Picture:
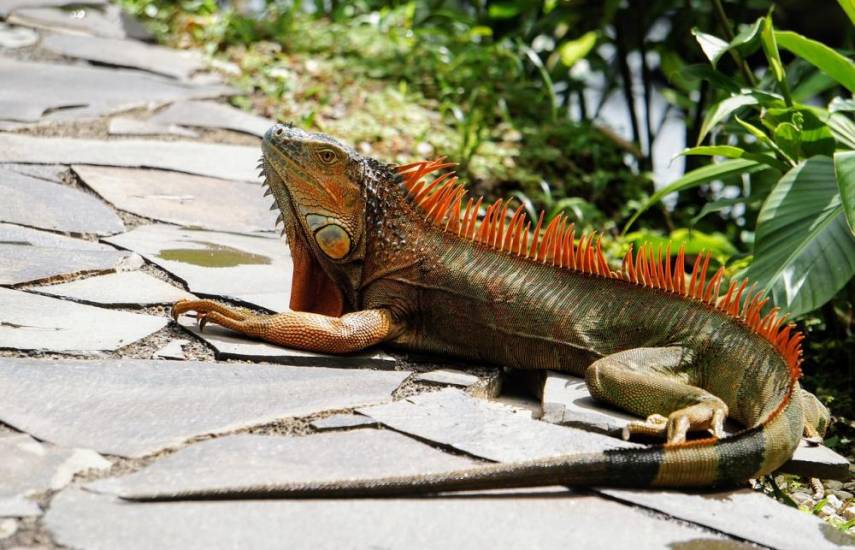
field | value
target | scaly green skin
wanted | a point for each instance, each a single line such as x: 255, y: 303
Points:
x: 402, y: 280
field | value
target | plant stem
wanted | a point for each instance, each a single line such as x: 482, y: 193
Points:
x: 728, y: 35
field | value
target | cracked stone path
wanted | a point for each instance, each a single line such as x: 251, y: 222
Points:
x: 127, y: 182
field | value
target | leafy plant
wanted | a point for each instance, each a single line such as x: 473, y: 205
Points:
x: 803, y: 247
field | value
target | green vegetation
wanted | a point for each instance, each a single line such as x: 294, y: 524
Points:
x: 514, y: 90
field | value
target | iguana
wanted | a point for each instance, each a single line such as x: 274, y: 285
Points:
x: 385, y: 254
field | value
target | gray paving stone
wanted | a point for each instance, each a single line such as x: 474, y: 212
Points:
x: 49, y: 172
x: 817, y: 461
x: 485, y: 429
x: 12, y: 37
x: 128, y: 288
x: 21, y: 264
x: 122, y: 126
x: 251, y: 269
x: 76, y: 91
x: 244, y: 461
x: 127, y: 53
x: 567, y: 401
x: 37, y: 203
x: 174, y: 349
x: 211, y: 114
x: 28, y: 467
x: 228, y: 345
x: 745, y: 514
x: 546, y: 520
x: 18, y: 235
x: 341, y: 421
x: 236, y: 162
x: 135, y: 407
x: 29, y: 255
x: 32, y: 322
x: 450, y: 377
x: 97, y: 22
x: 7, y: 6
x: 183, y: 199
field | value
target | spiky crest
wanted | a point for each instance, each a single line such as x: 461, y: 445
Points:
x: 442, y: 201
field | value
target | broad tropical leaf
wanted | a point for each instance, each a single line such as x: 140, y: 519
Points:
x: 844, y: 171
x: 699, y: 176
x: 819, y: 55
x: 803, y: 251
x: 723, y: 109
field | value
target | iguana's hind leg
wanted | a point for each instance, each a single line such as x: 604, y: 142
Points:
x: 295, y: 329
x: 654, y: 384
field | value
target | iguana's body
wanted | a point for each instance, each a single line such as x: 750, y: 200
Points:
x: 382, y: 258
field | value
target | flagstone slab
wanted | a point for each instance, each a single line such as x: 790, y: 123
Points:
x: 251, y: 269
x: 134, y: 408
x: 485, y: 429
x: 7, y: 6
x: 50, y: 172
x: 235, y: 162
x: 123, y: 126
x: 28, y: 467
x: 50, y: 91
x: 127, y: 53
x: 19, y: 235
x: 127, y: 288
x: 183, y: 199
x: 229, y: 345
x: 174, y: 349
x: 567, y: 401
x: 817, y: 461
x: 210, y: 114
x: 29, y: 255
x: 12, y: 37
x: 745, y: 514
x: 449, y: 377
x: 245, y: 461
x: 21, y: 264
x: 545, y: 520
x: 343, y: 421
x: 45, y: 205
x: 32, y: 322
x: 105, y: 22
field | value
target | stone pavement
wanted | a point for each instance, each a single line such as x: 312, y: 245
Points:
x: 127, y: 182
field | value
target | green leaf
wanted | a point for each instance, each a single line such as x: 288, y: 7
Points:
x: 721, y: 110
x: 713, y: 46
x: 844, y: 172
x: 575, y: 50
x: 695, y: 242
x: 842, y: 128
x: 748, y: 36
x: 731, y: 152
x: 821, y: 56
x: 803, y: 251
x: 770, y: 48
x: 849, y: 7
x: 815, y: 136
x: 717, y: 206
x: 716, y: 78
x: 788, y: 138
x: 697, y: 177
x: 764, y: 139
x: 840, y: 105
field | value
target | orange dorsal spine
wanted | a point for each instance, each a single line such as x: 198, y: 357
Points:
x: 442, y: 201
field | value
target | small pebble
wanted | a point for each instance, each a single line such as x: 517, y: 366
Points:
x: 833, y: 484
x: 848, y: 513
x: 833, y: 502
x: 8, y: 527
x: 843, y: 495
x: 801, y: 498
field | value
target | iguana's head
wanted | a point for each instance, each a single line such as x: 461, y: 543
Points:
x: 317, y: 183
x: 817, y: 416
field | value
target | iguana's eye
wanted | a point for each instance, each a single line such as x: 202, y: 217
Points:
x: 327, y: 155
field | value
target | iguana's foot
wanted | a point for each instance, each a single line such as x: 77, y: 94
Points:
x: 707, y: 416
x: 209, y: 310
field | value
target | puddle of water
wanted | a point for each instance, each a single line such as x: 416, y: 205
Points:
x: 213, y: 255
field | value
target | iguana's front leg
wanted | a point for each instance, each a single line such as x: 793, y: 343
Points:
x: 296, y: 329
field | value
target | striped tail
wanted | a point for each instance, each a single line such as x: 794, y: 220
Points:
x: 748, y: 454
